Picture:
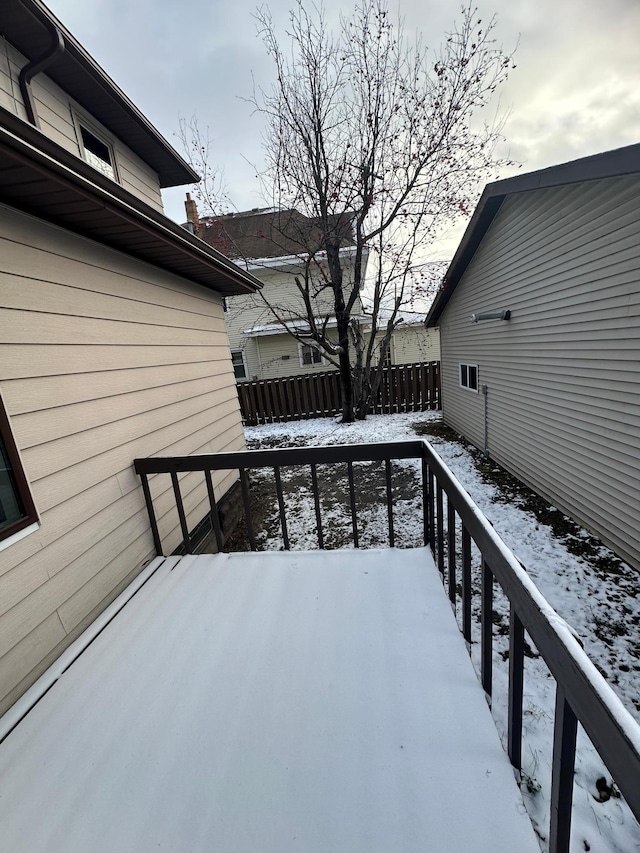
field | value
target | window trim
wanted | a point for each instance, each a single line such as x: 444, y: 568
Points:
x: 235, y: 350
x: 313, y: 364
x: 466, y: 386
x: 24, y: 491
x: 81, y: 122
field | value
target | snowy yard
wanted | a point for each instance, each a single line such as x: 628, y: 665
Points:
x: 590, y: 588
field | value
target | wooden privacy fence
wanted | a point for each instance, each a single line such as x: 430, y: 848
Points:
x: 404, y: 388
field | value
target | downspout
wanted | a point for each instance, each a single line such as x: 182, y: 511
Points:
x: 35, y: 66
x: 485, y: 394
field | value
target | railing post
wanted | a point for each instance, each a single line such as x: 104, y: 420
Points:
x: 516, y: 683
x: 157, y: 544
x: 564, y: 755
x: 486, y: 629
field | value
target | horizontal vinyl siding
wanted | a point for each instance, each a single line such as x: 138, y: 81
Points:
x: 263, y: 353
x: 102, y: 359
x: 563, y: 374
x: 55, y: 109
x: 414, y: 344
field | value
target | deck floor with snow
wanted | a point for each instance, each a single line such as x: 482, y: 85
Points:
x: 266, y: 703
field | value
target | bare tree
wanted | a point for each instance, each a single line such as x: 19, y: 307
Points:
x: 211, y: 192
x: 364, y: 125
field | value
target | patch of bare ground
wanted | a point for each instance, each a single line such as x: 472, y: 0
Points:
x: 334, y: 502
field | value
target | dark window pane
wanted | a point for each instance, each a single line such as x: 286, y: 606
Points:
x: 238, y: 365
x: 473, y: 377
x: 11, y: 508
x: 95, y: 146
x: 463, y: 375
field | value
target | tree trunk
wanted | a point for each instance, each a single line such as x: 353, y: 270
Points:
x: 346, y: 378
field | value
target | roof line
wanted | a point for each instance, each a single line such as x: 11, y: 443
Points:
x: 51, y: 160
x: 608, y: 164
x: 45, y: 17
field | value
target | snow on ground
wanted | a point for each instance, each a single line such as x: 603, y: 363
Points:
x: 603, y: 609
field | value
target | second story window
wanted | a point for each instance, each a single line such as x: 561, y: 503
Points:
x: 97, y: 152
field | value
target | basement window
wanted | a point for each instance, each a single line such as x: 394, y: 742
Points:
x: 17, y: 510
x: 97, y: 152
x: 469, y: 376
x: 239, y: 363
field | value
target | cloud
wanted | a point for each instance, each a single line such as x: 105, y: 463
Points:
x: 572, y: 94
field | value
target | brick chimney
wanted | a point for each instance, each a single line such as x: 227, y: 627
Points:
x: 192, y: 213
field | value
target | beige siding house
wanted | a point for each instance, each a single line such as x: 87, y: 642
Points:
x: 272, y: 245
x: 112, y: 343
x: 553, y: 392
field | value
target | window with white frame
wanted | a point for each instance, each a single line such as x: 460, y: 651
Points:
x: 239, y: 363
x: 309, y: 355
x: 96, y: 149
x: 469, y: 376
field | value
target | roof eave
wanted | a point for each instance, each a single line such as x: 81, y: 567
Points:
x: 96, y: 91
x: 608, y: 164
x: 68, y: 192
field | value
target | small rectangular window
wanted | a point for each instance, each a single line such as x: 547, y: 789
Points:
x: 469, y: 376
x: 96, y: 151
x: 309, y: 355
x: 239, y: 365
x: 17, y: 509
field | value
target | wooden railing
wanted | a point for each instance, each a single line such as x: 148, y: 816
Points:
x: 404, y: 388
x: 451, y: 522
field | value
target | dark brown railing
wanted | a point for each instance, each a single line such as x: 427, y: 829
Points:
x: 451, y: 522
x: 404, y: 388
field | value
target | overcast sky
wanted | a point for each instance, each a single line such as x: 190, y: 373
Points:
x: 574, y: 92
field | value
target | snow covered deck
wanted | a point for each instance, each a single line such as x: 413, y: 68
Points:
x: 287, y: 701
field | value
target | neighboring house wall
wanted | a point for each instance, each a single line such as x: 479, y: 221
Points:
x: 414, y: 344
x: 264, y: 353
x: 562, y: 374
x: 56, y: 111
x: 276, y: 354
x: 103, y: 358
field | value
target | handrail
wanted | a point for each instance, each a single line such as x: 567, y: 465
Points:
x: 582, y: 694
x: 286, y: 456
x: 612, y: 729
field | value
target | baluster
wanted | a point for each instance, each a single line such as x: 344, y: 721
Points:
x: 516, y: 683
x: 316, y: 502
x: 387, y: 467
x: 486, y: 627
x: 565, y: 733
x: 215, y: 518
x: 283, y: 520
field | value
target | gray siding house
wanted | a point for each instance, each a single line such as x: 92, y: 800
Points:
x: 112, y: 342
x: 552, y: 392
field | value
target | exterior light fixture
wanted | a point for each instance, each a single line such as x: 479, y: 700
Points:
x: 491, y: 315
